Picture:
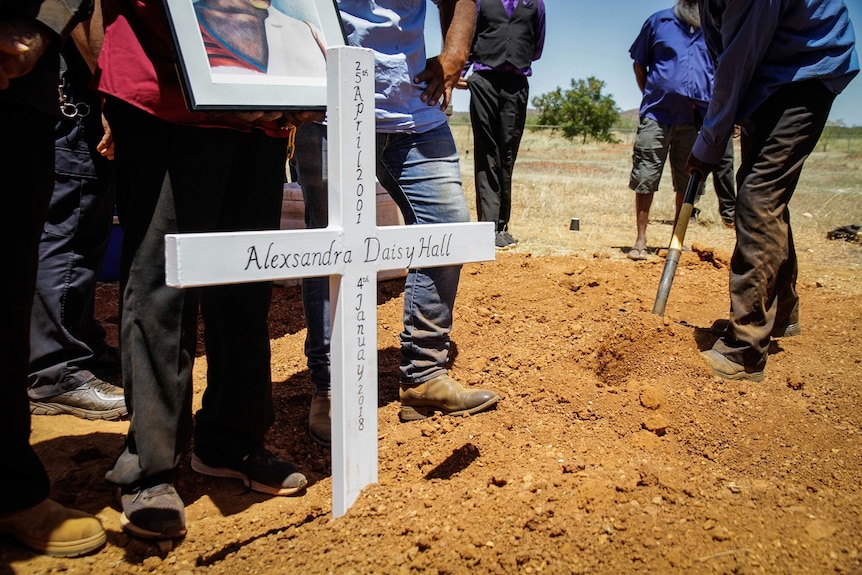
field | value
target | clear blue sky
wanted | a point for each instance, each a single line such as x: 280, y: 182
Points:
x: 592, y: 38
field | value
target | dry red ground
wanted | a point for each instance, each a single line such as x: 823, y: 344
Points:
x: 613, y: 450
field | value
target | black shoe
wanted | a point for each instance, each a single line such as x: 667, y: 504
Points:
x: 260, y: 471
x: 155, y: 512
x: 93, y: 399
x: 508, y: 237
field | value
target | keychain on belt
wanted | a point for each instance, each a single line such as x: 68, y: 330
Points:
x: 67, y: 108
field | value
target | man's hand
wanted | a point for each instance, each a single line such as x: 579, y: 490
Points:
x: 441, y: 73
x: 106, y: 144
x: 22, y: 43
x: 694, y: 163
x: 435, y: 79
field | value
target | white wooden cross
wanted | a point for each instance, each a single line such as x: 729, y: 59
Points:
x: 351, y: 250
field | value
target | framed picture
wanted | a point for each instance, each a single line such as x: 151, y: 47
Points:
x: 254, y: 54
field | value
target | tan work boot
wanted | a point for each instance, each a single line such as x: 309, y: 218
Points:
x: 445, y: 395
x: 52, y: 529
x: 320, y: 420
x: 723, y: 367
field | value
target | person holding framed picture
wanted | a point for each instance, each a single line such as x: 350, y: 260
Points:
x: 183, y: 170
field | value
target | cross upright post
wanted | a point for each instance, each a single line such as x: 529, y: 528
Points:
x: 351, y: 250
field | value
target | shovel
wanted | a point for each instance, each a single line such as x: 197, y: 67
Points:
x: 673, y: 252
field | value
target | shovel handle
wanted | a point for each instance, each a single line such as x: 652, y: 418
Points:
x: 673, y: 252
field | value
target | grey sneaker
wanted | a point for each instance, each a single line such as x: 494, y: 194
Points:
x: 503, y: 240
x: 155, y: 512
x: 260, y: 471
x: 93, y: 399
x: 500, y: 241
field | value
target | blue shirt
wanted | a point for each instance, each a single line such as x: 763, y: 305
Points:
x: 395, y: 30
x: 762, y: 45
x: 679, y: 69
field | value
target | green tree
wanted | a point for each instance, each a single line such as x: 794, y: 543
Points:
x: 581, y: 110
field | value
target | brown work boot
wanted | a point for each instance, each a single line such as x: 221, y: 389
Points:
x: 723, y: 367
x: 52, y: 529
x: 320, y: 420
x: 445, y: 395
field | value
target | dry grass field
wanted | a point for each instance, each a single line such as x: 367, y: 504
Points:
x: 613, y: 451
x: 556, y: 180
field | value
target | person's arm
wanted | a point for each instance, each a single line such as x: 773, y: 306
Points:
x: 640, y: 76
x: 89, y: 35
x: 539, y: 31
x: 458, y: 23
x: 747, y: 29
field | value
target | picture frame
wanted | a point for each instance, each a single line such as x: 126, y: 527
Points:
x: 284, y: 68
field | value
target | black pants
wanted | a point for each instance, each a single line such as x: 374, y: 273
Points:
x: 781, y: 135
x: 498, y: 110
x: 27, y: 160
x: 171, y: 178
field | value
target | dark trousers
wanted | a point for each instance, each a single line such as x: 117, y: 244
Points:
x: 498, y: 110
x: 763, y: 269
x: 27, y: 160
x: 171, y: 178
x: 64, y: 333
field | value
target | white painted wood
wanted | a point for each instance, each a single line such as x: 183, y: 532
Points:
x: 351, y: 250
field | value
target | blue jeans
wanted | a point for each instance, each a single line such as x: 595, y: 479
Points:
x: 422, y: 174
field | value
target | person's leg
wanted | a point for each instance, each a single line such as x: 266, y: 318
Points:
x: 648, y: 158
x: 422, y: 175
x: 682, y: 138
x: 784, y: 131
x: 158, y: 165
x: 310, y: 162
x: 643, y: 203
x: 30, y: 156
x: 64, y: 334
x: 237, y: 408
x: 26, y: 512
x: 723, y: 180
x: 513, y: 97
x: 487, y: 156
